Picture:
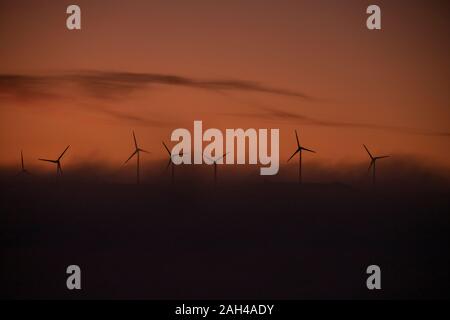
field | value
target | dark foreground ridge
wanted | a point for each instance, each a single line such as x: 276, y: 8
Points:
x: 233, y: 241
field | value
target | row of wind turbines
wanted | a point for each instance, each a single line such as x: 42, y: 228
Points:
x: 300, y: 149
x: 138, y: 150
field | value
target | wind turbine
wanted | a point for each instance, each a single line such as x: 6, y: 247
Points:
x: 299, y: 151
x: 136, y: 152
x: 23, y: 170
x: 170, y: 160
x: 373, y: 162
x: 59, y: 171
x: 215, y: 165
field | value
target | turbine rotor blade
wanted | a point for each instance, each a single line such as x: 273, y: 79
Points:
x: 63, y: 152
x: 21, y: 156
x: 181, y: 154
x: 296, y: 136
x: 144, y: 151
x: 298, y: 150
x: 135, y: 142
x: 47, y: 160
x: 371, y: 164
x: 382, y: 157
x: 168, y: 151
x: 370, y: 155
x: 220, y: 158
x: 132, y: 155
x: 308, y: 150
x: 225, y: 155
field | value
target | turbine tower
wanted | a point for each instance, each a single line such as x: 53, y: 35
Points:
x: 299, y: 151
x: 215, y: 165
x: 23, y: 170
x: 373, y: 162
x: 136, y: 152
x: 59, y: 171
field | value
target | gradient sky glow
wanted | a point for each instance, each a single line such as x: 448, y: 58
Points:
x: 388, y: 89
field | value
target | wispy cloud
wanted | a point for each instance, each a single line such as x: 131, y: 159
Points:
x: 134, y: 118
x: 27, y: 87
x: 361, y: 125
x: 109, y: 84
x: 270, y: 113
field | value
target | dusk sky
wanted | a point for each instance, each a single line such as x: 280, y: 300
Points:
x: 154, y: 66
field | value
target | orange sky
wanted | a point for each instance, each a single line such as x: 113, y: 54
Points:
x: 386, y: 89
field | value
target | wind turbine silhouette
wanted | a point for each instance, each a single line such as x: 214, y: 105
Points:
x: 215, y: 165
x: 136, y: 152
x: 59, y: 171
x: 22, y: 170
x: 171, y: 162
x: 373, y: 162
x: 299, y: 151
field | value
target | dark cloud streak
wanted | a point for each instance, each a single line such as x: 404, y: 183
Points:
x: 109, y: 85
x: 273, y: 114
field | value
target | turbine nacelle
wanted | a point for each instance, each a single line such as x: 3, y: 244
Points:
x: 299, y: 150
x: 137, y: 151
x: 373, y: 161
x: 299, y: 147
x: 171, y: 156
x: 372, y: 158
x: 57, y: 161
